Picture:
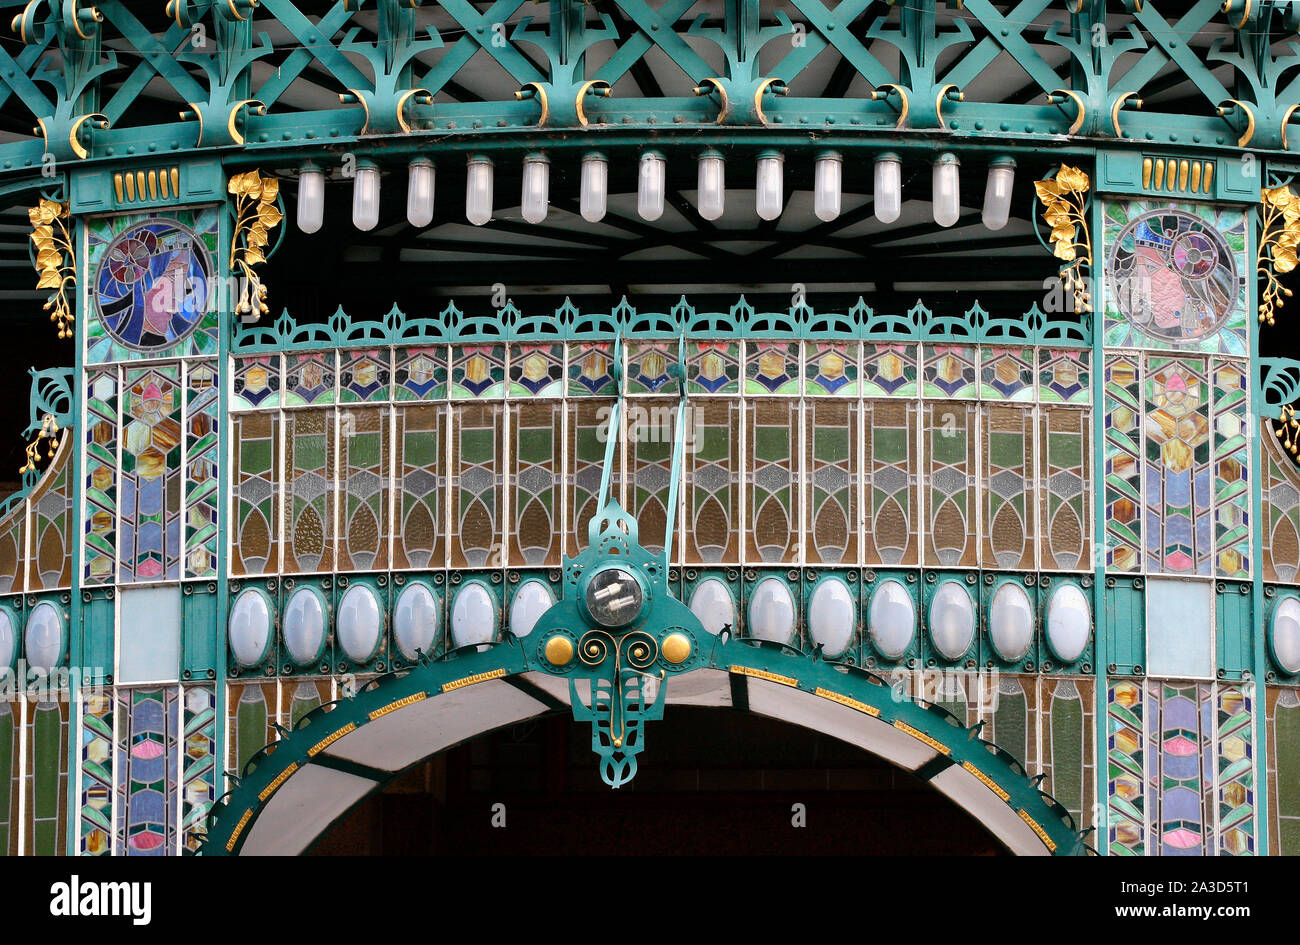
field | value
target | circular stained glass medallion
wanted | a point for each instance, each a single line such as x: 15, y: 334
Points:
x: 1173, y: 275
x: 152, y: 287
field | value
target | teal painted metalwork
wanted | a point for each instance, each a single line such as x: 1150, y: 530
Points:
x: 235, y: 813
x: 567, y: 323
x: 105, y: 56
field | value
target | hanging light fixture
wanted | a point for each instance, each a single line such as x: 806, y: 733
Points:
x: 311, y: 198
x: 769, y: 198
x: 365, y: 195
x: 711, y: 184
x: 826, y: 185
x: 888, y: 194
x: 997, y: 194
x: 478, y: 189
x: 419, y: 193
x: 946, y: 183
x: 536, y: 187
x: 594, y: 189
x: 650, y: 186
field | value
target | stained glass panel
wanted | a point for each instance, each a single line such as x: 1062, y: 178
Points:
x: 712, y: 484
x: 201, y: 470
x: 10, y: 729
x: 713, y: 367
x: 648, y: 364
x: 950, y: 465
x: 255, y: 483
x: 50, y: 522
x: 537, y: 439
x: 590, y: 370
x: 101, y: 476
x: 152, y: 284
x: 308, y: 378
x: 364, y: 375
x: 537, y: 370
x: 892, y: 506
x: 1008, y: 488
x: 650, y: 430
x: 1284, y: 771
x: 12, y: 558
x: 889, y: 370
x: 833, y: 478
x: 1281, y: 550
x: 1123, y: 468
x: 1232, y: 522
x: 478, y: 371
x: 1064, y: 376
x: 1175, y: 276
x: 422, y: 480
x: 831, y: 368
x: 950, y: 371
x: 420, y: 373
x: 257, y: 382
x: 1065, y: 526
x: 150, y: 547
x: 587, y: 433
x: 251, y: 707
x: 1007, y: 373
x: 309, y: 493
x: 364, y: 457
x: 1180, y: 759
x: 97, y: 774
x: 46, y: 817
x: 1125, y: 745
x: 771, y: 481
x: 1177, y: 469
x: 477, y: 487
x: 772, y: 367
x: 199, y: 762
x: 146, y: 771
x: 1068, y: 749
x: 1235, y: 773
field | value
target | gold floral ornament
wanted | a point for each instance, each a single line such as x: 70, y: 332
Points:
x: 49, y: 430
x: 55, y: 260
x: 1064, y: 210
x: 1277, y: 246
x: 256, y: 214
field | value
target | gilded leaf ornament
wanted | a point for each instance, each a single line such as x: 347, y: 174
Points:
x: 1064, y: 199
x: 49, y: 430
x: 257, y: 213
x: 56, y: 263
x: 1277, y: 246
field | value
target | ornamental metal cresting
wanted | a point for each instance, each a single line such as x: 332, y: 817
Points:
x: 434, y: 367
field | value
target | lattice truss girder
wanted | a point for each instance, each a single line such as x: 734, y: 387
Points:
x: 90, y: 81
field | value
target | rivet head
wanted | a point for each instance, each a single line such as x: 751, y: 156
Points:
x: 676, y: 647
x: 559, y: 650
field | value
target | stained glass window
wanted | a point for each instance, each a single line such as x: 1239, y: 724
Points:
x: 1182, y: 720
x: 537, y: 452
x: 255, y: 483
x: 1281, y: 550
x: 153, y: 283
x: 97, y: 774
x: 477, y: 487
x: 146, y: 771
x: 712, y: 484
x: 1235, y: 773
x: 1284, y: 770
x: 46, y: 776
x: 199, y: 762
x: 363, y: 375
x: 950, y: 465
x: 51, y: 524
x: 1068, y: 750
x: 150, y: 546
x: 587, y: 433
x: 364, y: 462
x: 202, y: 466
x: 309, y: 493
x: 832, y: 483
x: 536, y: 370
x: 1175, y: 276
x: 1007, y: 491
x: 892, y: 510
x: 650, y: 426
x: 1177, y: 468
x: 10, y: 730
x: 1125, y: 726
x: 772, y: 497
x: 308, y: 379
x: 101, y: 439
x: 422, y: 479
x: 1065, y: 451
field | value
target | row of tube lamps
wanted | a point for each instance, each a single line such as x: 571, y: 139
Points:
x: 594, y: 189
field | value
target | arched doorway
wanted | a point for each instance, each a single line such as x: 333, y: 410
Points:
x: 714, y: 781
